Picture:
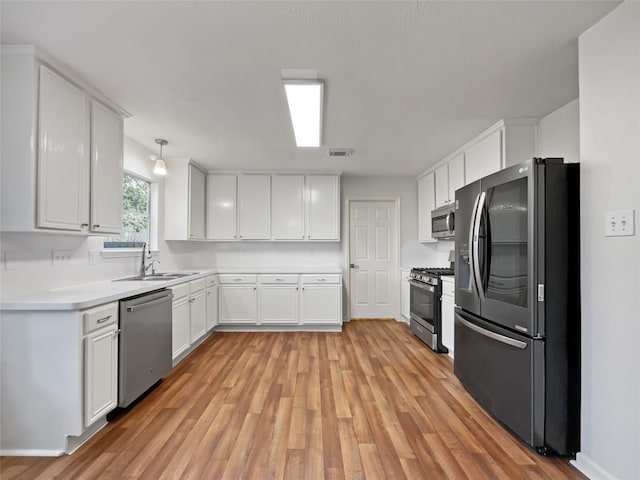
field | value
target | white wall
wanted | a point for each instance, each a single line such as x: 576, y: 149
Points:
x: 29, y: 254
x: 610, y: 180
x: 559, y: 133
x: 413, y: 253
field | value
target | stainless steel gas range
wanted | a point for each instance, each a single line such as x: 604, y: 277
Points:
x: 425, y: 312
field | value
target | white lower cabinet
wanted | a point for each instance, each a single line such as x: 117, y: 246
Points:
x: 279, y: 304
x: 189, y: 315
x: 321, y: 299
x: 447, y: 309
x: 100, y: 361
x: 197, y: 310
x: 237, y: 300
x: 212, y: 307
x: 405, y: 294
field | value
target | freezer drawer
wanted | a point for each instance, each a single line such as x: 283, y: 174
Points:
x: 503, y: 371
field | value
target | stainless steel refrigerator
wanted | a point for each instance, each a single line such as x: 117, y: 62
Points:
x: 517, y: 317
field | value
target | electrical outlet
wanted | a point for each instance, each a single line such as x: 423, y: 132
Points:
x: 93, y: 256
x: 61, y: 258
x: 619, y: 223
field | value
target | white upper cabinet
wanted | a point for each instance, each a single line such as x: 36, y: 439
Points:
x: 484, y: 157
x: 61, y: 150
x: 106, y: 169
x: 426, y: 203
x: 442, y: 185
x: 254, y: 207
x: 184, y: 206
x: 456, y: 175
x: 288, y: 207
x: 63, y: 154
x: 196, y: 203
x: 323, y: 207
x: 221, y: 207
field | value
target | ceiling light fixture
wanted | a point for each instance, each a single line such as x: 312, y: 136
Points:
x: 160, y: 167
x: 305, y: 107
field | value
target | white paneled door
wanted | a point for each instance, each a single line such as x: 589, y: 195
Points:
x: 373, y: 259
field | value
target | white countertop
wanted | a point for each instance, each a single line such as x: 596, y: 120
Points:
x: 90, y: 295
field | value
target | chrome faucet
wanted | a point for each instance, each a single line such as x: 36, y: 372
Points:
x: 143, y: 266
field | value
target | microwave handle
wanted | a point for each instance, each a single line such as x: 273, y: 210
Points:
x: 448, y: 221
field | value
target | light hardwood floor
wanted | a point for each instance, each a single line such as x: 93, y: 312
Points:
x: 370, y: 402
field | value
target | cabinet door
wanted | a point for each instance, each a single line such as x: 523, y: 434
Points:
x: 254, y: 207
x: 221, y: 207
x: 483, y: 158
x: 426, y: 203
x: 447, y: 323
x: 198, y: 315
x: 100, y: 374
x: 442, y: 186
x: 456, y: 175
x: 63, y: 154
x: 196, y: 203
x: 106, y: 169
x: 180, y: 330
x: 237, y: 304
x: 405, y: 296
x: 288, y: 207
x: 278, y: 304
x: 321, y: 304
x: 212, y: 308
x: 323, y: 212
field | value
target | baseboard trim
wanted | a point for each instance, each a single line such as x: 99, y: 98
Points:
x: 590, y: 468
x: 31, y: 453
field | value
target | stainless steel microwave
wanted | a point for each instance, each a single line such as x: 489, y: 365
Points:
x: 443, y: 222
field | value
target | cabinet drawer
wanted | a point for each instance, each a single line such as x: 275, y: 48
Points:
x: 236, y: 279
x: 197, y: 285
x: 99, y: 317
x: 212, y: 280
x: 321, y: 279
x: 180, y: 291
x: 279, y: 279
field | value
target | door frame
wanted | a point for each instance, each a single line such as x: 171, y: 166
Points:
x: 346, y: 228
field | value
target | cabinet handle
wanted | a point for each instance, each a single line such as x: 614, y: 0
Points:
x: 116, y: 332
x: 279, y: 280
x: 322, y: 279
x: 296, y: 289
x: 237, y: 279
x: 103, y: 319
x: 96, y: 226
x: 254, y: 289
x: 84, y: 225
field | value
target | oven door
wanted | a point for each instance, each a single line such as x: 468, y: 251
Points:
x: 423, y: 303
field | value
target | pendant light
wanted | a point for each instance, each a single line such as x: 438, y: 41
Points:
x: 160, y: 167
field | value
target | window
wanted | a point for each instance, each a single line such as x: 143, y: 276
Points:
x: 136, y: 194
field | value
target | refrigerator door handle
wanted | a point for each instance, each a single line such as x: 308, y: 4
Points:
x: 476, y: 242
x: 494, y: 336
x: 471, y: 229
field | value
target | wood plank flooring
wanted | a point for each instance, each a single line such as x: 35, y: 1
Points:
x: 370, y: 402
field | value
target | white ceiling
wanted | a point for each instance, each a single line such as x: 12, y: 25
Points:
x: 406, y: 82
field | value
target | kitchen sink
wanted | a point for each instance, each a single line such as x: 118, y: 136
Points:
x: 156, y: 277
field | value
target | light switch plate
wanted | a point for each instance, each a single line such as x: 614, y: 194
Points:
x: 93, y: 256
x: 619, y: 223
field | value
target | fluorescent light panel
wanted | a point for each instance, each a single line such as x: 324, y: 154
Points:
x: 305, y: 108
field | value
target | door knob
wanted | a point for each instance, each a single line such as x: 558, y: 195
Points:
x: 353, y: 265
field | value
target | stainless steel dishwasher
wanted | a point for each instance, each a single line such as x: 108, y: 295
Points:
x: 145, y: 343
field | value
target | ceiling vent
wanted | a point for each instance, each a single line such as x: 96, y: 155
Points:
x: 340, y: 152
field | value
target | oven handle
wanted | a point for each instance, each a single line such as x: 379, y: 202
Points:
x: 476, y: 248
x: 494, y: 336
x: 423, y: 286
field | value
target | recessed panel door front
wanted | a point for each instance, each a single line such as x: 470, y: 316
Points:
x: 373, y: 256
